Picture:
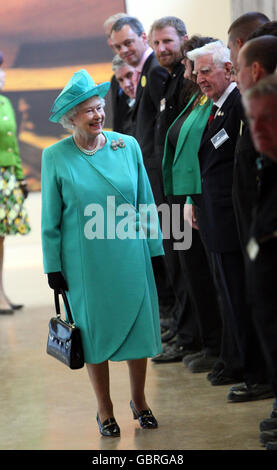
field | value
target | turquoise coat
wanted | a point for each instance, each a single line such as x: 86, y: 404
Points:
x: 112, y: 289
x: 181, y: 170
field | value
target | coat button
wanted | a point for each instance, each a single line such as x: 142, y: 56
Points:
x: 190, y: 170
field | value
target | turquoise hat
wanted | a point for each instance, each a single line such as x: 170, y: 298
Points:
x: 80, y: 88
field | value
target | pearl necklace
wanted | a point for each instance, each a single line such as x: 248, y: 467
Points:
x: 88, y: 152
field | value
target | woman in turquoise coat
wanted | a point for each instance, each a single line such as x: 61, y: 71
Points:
x: 98, y: 243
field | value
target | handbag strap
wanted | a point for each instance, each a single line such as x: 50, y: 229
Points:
x: 57, y: 304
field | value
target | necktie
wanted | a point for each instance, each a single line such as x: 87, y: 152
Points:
x: 135, y: 78
x: 212, y: 114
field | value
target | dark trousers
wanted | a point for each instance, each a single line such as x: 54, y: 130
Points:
x: 238, y: 321
x: 203, y: 294
x: 263, y: 294
x: 192, y: 280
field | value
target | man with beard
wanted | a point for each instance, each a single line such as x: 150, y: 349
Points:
x: 189, y: 268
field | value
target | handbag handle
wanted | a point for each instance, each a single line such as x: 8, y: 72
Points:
x: 57, y: 304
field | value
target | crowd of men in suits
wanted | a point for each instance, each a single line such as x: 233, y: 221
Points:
x: 218, y: 300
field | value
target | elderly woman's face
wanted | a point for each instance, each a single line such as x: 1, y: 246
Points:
x: 90, y: 117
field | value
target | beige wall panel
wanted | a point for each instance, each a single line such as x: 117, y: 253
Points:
x: 209, y: 18
x: 268, y: 7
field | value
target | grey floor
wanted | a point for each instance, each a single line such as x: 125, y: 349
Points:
x: 46, y: 406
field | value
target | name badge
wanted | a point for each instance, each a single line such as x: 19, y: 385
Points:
x: 162, y: 105
x: 220, y: 138
x: 252, y: 249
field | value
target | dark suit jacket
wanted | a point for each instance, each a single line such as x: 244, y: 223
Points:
x: 145, y: 110
x: 217, y: 219
x: 122, y: 113
x: 245, y: 187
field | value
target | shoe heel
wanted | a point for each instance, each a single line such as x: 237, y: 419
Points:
x: 135, y: 415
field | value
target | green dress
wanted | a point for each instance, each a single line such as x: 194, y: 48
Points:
x: 112, y: 289
x: 13, y: 215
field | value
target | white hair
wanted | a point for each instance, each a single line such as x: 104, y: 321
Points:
x: 112, y: 19
x: 117, y: 63
x: 220, y: 53
x: 66, y: 119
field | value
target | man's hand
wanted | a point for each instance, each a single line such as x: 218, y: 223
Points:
x: 189, y: 215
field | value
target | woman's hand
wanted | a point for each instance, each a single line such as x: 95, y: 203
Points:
x: 56, y: 281
x: 189, y: 215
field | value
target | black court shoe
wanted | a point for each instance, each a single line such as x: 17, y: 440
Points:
x: 16, y: 306
x: 109, y: 427
x: 146, y: 419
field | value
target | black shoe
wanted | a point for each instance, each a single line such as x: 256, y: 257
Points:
x: 243, y: 392
x: 217, y: 369
x: 273, y: 413
x: 222, y: 376
x: 269, y: 424
x: 171, y: 354
x: 202, y: 363
x: 190, y: 357
x: 271, y: 445
x: 16, y: 306
x: 6, y: 311
x: 168, y: 335
x: 146, y: 418
x: 222, y: 379
x: 109, y: 427
x: 268, y: 436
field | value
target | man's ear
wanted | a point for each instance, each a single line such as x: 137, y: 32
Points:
x: 257, y: 71
x: 228, y: 68
x: 144, y: 36
x: 239, y: 42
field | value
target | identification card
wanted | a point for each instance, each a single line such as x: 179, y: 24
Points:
x: 162, y: 105
x: 219, y: 138
x: 252, y: 249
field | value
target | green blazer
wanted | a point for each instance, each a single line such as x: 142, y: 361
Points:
x: 9, y: 151
x: 181, y: 170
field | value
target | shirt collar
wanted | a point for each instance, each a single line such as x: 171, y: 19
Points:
x: 219, y: 103
x: 144, y: 58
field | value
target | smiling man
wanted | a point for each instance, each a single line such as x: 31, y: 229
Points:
x: 167, y: 37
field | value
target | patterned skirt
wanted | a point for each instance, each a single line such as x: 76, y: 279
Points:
x: 13, y: 215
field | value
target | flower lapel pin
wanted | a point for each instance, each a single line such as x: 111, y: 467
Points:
x: 115, y: 144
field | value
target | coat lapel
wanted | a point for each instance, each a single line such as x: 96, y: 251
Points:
x: 218, y: 122
x: 139, y: 87
x: 101, y: 173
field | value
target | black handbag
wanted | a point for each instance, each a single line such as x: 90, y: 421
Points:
x: 64, y: 338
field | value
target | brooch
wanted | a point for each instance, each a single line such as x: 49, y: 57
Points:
x: 203, y: 100
x: 143, y: 81
x: 220, y: 113
x: 117, y: 144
